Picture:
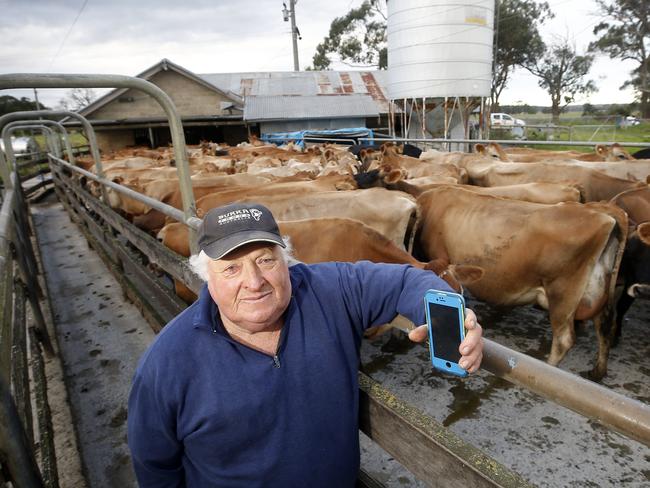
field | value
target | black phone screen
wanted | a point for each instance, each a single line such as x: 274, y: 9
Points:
x: 445, y: 330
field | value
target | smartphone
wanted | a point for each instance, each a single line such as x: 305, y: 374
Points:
x: 446, y: 320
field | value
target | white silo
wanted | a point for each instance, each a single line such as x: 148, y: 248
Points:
x: 439, y: 49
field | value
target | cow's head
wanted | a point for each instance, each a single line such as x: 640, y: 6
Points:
x: 456, y: 275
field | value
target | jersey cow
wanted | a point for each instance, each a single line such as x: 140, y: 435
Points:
x: 561, y: 257
x: 331, y: 239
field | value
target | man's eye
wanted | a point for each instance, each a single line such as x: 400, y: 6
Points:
x: 267, y: 261
x: 230, y: 270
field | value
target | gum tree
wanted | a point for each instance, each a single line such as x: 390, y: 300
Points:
x: 517, y: 39
x: 562, y: 73
x: 625, y: 35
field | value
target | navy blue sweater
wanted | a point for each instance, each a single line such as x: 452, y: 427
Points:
x: 208, y: 411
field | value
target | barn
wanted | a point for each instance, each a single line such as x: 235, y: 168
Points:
x: 228, y: 107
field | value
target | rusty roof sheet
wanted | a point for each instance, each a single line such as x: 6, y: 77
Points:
x: 304, y: 84
x: 279, y: 107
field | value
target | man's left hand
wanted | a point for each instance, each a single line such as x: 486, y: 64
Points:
x: 471, y: 349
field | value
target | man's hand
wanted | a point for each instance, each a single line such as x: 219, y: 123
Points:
x: 471, y: 349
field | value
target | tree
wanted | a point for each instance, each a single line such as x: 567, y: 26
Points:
x: 562, y: 72
x: 517, y: 40
x: 77, y: 98
x: 357, y: 39
x: 12, y: 104
x: 625, y: 35
x: 588, y: 110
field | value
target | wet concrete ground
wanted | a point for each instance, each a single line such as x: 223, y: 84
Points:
x: 547, y: 444
x: 101, y: 337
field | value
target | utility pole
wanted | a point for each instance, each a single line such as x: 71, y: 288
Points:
x: 295, y: 33
x: 38, y: 105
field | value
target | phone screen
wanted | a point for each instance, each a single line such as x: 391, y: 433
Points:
x: 445, y: 330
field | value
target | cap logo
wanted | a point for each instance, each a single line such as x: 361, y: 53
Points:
x: 238, y: 215
x: 256, y: 214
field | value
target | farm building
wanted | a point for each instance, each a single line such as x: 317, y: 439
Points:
x: 227, y: 107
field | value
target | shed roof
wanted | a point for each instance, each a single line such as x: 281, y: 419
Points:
x: 285, y: 94
x: 311, y: 106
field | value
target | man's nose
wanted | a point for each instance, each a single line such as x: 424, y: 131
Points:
x: 253, y: 277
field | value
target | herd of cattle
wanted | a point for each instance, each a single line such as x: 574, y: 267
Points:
x: 564, y: 230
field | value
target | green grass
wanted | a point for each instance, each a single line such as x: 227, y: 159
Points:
x: 76, y: 139
x: 601, y: 129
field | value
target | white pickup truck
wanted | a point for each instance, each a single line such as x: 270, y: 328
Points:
x: 505, y: 120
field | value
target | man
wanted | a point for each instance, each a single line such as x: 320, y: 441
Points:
x: 255, y: 384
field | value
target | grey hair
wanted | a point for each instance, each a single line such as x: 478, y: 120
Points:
x: 199, y: 262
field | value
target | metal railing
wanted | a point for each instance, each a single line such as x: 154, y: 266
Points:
x: 40, y: 80
x: 17, y: 438
x: 501, y: 141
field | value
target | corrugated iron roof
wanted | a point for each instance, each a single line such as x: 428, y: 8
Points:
x: 311, y: 106
x: 304, y: 84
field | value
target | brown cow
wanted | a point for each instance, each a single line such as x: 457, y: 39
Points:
x: 594, y: 185
x: 391, y: 213
x: 611, y: 153
x: 331, y: 239
x: 548, y: 193
x: 561, y: 257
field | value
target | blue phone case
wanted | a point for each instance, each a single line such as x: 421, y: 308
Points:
x: 447, y: 307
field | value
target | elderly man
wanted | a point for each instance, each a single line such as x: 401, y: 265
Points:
x: 255, y: 384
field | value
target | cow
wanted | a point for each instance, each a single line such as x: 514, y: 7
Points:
x: 602, y: 152
x: 642, y: 154
x: 391, y: 213
x: 169, y: 193
x: 594, y: 185
x: 415, y: 168
x: 562, y: 257
x: 634, y: 276
x: 548, y: 193
x: 319, y: 240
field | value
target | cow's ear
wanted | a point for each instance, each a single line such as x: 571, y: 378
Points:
x: 643, y: 230
x: 466, y: 273
x: 479, y: 148
x: 601, y: 149
x: 393, y: 176
x: 437, y: 265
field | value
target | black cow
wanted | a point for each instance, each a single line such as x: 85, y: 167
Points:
x: 642, y: 154
x: 407, y: 149
x: 634, y: 273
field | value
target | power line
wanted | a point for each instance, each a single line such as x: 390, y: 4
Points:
x: 67, y: 35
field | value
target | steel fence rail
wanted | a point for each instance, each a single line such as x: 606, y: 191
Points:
x: 88, y: 129
x: 16, y: 125
x: 41, y: 80
x: 503, y: 141
x: 52, y: 123
x: 168, y: 210
x: 618, y: 412
x: 15, y: 452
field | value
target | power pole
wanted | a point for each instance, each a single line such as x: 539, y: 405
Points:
x: 38, y: 105
x: 295, y: 33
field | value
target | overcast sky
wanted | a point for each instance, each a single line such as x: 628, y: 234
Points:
x: 211, y: 36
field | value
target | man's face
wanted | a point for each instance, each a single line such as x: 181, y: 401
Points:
x: 251, y: 286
